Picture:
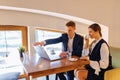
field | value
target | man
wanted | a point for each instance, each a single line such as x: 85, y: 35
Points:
x: 72, y: 42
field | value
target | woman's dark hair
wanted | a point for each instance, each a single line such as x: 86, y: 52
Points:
x: 70, y: 23
x: 96, y: 27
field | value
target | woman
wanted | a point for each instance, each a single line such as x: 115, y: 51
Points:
x: 99, y: 56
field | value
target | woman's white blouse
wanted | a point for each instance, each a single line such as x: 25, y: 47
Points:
x: 104, y: 53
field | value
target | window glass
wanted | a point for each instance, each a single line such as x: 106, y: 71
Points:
x: 43, y: 35
x: 10, y: 40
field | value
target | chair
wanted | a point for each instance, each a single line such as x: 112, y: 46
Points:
x: 113, y: 74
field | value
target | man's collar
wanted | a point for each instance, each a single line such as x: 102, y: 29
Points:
x: 72, y: 37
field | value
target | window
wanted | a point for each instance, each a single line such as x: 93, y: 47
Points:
x: 43, y: 34
x: 11, y: 37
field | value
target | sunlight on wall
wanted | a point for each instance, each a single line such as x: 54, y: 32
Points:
x: 56, y: 15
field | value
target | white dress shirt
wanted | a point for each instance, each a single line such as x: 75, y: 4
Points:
x: 104, y: 61
x: 70, y: 44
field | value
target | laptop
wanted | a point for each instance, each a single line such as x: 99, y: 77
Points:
x: 43, y: 52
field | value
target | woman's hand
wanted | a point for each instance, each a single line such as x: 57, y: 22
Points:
x: 86, y: 41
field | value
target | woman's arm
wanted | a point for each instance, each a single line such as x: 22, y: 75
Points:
x: 104, y: 53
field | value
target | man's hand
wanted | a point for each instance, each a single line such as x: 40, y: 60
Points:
x: 63, y: 54
x: 85, y: 57
x: 39, y: 43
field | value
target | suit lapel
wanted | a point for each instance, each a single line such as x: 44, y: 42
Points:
x: 74, y: 41
x: 66, y: 42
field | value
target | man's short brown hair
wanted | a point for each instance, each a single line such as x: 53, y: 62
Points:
x: 70, y: 23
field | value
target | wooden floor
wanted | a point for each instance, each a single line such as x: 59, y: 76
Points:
x: 51, y: 77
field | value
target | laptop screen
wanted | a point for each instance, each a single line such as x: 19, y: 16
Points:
x: 41, y: 52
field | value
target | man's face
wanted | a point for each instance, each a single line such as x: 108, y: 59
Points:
x: 70, y: 30
x: 92, y: 33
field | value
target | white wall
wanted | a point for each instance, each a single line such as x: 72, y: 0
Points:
x: 103, y: 11
x: 38, y: 20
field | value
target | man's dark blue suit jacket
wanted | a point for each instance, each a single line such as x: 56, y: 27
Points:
x: 77, y: 43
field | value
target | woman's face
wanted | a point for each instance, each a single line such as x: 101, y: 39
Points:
x: 92, y: 33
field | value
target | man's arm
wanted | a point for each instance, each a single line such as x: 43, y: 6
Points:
x: 53, y: 41
x: 48, y: 41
